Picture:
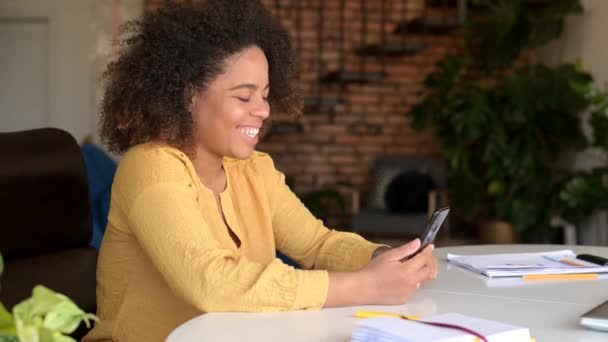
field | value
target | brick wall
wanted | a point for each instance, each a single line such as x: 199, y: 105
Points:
x: 342, y: 145
x: 339, y: 144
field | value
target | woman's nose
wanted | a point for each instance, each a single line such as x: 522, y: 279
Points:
x: 262, y: 110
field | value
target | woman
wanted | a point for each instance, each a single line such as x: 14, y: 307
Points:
x: 196, y: 213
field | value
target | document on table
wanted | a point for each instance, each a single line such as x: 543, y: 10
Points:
x: 390, y: 329
x: 521, y: 264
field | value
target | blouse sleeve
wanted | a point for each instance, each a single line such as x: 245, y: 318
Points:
x: 303, y: 237
x: 165, y: 217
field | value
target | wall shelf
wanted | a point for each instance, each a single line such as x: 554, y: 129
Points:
x: 430, y: 25
x: 392, y: 50
x: 344, y: 76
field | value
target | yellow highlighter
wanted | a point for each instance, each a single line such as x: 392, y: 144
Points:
x: 372, y: 314
x: 560, y: 276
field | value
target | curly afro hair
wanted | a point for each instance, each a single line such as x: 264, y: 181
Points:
x: 176, y: 51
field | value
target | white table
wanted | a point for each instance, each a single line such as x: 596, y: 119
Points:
x: 551, y: 309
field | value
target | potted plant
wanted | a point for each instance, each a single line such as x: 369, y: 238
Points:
x: 584, y: 192
x: 46, y: 316
x: 503, y: 128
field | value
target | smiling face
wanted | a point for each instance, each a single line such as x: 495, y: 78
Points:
x: 229, y: 113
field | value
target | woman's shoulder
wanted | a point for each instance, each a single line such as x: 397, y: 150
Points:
x: 150, y: 163
x: 150, y: 153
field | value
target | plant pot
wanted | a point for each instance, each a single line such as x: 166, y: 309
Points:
x: 498, y: 232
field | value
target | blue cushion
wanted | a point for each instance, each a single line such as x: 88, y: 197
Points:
x: 100, y: 171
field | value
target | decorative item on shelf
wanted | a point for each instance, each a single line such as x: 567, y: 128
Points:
x: 490, y: 118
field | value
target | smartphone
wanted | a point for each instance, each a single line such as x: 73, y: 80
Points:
x: 432, y: 227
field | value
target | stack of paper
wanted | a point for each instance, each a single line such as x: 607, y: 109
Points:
x: 390, y: 329
x: 519, y: 264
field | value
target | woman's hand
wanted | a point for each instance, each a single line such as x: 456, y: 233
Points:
x: 388, y: 280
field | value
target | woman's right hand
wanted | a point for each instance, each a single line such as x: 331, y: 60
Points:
x: 388, y: 280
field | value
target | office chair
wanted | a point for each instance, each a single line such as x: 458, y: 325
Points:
x: 46, y: 222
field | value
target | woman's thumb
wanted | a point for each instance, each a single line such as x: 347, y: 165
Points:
x: 403, y: 250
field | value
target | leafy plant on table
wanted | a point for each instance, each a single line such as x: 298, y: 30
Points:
x: 46, y: 316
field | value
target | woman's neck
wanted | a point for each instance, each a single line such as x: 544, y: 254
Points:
x: 210, y: 170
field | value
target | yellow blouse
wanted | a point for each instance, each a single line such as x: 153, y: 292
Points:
x: 167, y: 255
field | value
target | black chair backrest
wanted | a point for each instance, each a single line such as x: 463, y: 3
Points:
x: 44, y: 195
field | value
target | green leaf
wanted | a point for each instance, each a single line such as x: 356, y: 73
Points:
x: 44, y: 299
x: 21, y: 312
x: 7, y: 324
x: 496, y: 188
x: 28, y: 333
x: 599, y: 124
x: 64, y: 317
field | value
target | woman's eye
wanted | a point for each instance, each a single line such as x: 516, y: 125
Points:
x: 243, y: 99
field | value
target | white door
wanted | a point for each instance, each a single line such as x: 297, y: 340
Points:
x: 45, y: 67
x: 24, y: 71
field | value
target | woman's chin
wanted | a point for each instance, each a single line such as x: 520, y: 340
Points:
x: 242, y: 153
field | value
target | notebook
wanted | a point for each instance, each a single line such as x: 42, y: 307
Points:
x: 391, y: 329
x: 596, y: 318
x: 520, y: 264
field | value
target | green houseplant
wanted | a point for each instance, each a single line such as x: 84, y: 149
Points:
x: 586, y: 191
x: 46, y: 316
x: 503, y: 128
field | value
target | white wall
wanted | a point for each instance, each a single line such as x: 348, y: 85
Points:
x: 74, y: 47
x: 586, y: 38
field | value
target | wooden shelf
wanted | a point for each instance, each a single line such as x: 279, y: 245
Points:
x: 284, y: 127
x: 392, y: 50
x: 343, y: 76
x: 434, y: 25
x: 321, y: 103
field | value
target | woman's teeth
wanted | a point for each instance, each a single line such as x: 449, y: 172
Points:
x: 252, y: 132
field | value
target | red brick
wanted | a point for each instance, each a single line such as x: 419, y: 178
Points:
x: 307, y: 148
x: 365, y: 148
x: 337, y: 149
x: 319, y: 168
x: 343, y: 159
x: 333, y: 129
x: 401, y: 150
x: 347, y: 139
